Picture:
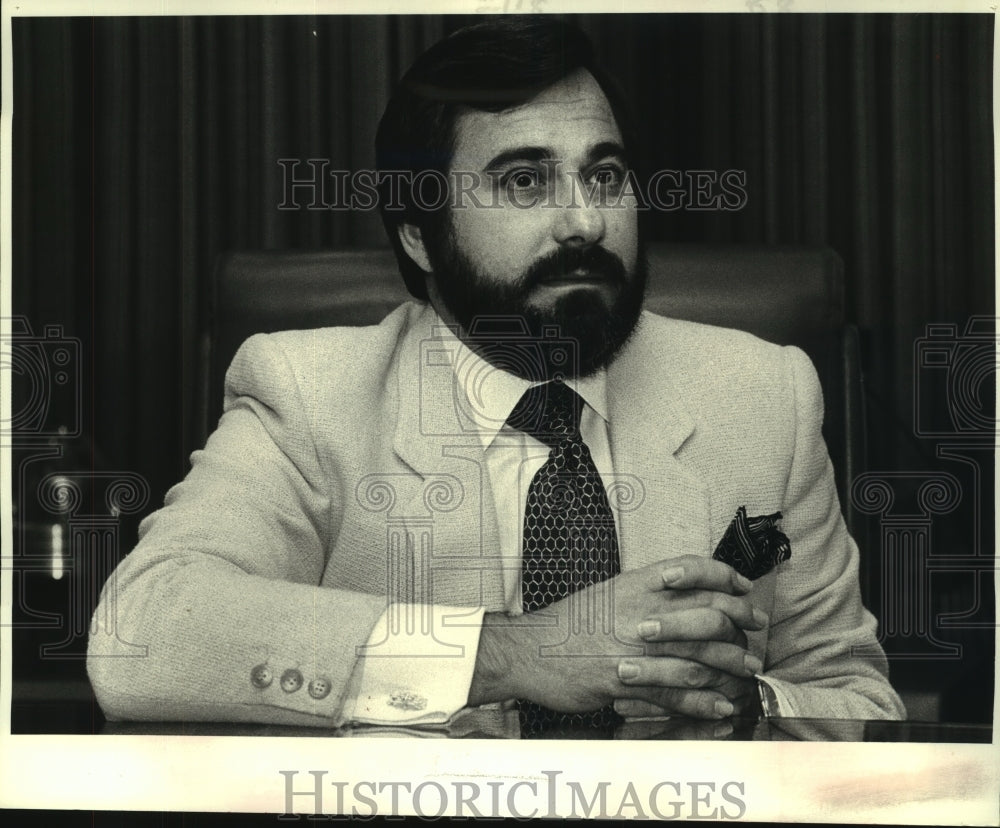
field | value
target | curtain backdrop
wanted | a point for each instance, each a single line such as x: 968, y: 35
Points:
x: 145, y: 146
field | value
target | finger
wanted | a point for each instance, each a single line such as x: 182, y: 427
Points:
x: 679, y: 672
x: 638, y: 709
x: 696, y: 572
x: 644, y: 713
x: 695, y: 624
x: 738, y: 609
x: 730, y: 658
x: 693, y: 703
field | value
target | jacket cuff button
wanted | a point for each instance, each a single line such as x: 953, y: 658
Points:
x: 319, y: 688
x: 261, y: 676
x: 291, y: 680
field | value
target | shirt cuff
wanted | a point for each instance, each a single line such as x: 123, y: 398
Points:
x: 416, y: 667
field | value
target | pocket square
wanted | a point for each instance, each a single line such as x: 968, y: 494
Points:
x: 753, y: 546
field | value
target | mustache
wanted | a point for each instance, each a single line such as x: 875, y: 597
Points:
x: 596, y: 259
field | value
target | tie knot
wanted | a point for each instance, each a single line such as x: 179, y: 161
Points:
x: 549, y: 412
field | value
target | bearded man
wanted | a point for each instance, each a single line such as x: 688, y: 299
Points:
x: 508, y: 492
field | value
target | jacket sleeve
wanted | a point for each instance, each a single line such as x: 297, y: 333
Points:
x: 218, y: 613
x: 823, y: 657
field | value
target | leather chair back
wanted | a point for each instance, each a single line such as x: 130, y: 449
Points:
x: 786, y: 294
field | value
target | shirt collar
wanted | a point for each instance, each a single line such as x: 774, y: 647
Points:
x: 488, y: 394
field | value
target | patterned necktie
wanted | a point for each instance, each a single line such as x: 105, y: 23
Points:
x: 569, y: 529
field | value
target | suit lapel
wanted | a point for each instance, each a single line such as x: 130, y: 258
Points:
x: 669, y: 514
x: 450, y: 492
x: 663, y: 505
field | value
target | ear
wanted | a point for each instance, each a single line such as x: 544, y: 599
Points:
x: 413, y: 243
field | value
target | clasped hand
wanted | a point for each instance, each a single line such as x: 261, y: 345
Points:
x: 669, y: 638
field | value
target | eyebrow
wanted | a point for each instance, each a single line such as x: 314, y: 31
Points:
x: 518, y: 154
x: 529, y: 153
x: 605, y: 149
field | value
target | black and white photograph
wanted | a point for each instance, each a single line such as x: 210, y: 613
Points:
x: 510, y: 409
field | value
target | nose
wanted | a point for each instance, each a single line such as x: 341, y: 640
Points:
x: 580, y: 220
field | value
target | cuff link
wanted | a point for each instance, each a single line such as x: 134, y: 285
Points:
x: 403, y: 699
x: 261, y: 676
x: 291, y: 680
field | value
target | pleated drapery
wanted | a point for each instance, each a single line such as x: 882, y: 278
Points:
x: 145, y: 146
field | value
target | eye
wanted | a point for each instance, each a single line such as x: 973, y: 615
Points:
x: 608, y: 175
x: 521, y: 178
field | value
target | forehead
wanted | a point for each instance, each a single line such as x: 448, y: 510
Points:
x: 568, y: 117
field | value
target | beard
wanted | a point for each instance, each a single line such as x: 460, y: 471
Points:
x: 573, y: 335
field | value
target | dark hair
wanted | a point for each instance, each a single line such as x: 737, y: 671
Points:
x: 489, y: 66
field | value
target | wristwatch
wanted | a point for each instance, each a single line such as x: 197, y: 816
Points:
x: 768, y: 700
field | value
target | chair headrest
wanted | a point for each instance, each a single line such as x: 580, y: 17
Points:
x: 787, y: 294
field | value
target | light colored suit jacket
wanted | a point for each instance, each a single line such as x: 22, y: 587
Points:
x: 342, y: 476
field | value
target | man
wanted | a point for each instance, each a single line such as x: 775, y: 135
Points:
x: 508, y: 492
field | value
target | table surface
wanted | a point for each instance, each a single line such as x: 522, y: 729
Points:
x: 79, y: 717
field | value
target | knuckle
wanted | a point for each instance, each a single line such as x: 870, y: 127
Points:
x: 697, y: 703
x: 693, y: 565
x: 720, y: 624
x: 706, y: 705
x: 687, y: 649
x: 724, y: 656
x: 707, y: 598
x: 725, y: 602
x: 668, y: 698
x: 735, y: 604
x: 696, y: 676
x: 717, y: 679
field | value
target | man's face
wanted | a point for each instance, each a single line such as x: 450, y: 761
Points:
x: 542, y: 229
